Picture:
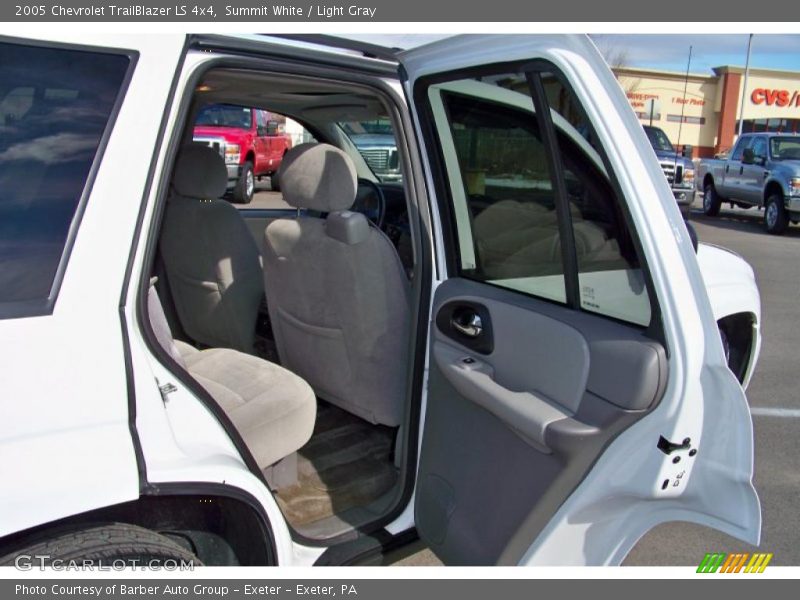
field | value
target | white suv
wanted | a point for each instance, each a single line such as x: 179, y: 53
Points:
x: 510, y: 352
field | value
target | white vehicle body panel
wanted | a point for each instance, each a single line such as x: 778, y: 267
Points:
x: 621, y: 499
x: 732, y: 289
x: 64, y: 383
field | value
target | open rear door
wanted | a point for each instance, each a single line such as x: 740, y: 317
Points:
x: 578, y: 393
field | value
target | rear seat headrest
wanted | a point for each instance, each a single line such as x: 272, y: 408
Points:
x: 199, y: 173
x: 319, y: 177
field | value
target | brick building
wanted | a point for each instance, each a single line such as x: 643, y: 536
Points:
x: 707, y: 117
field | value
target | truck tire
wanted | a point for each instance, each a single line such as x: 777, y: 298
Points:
x: 775, y: 218
x: 106, y: 544
x: 274, y: 182
x: 245, y: 185
x: 711, y: 200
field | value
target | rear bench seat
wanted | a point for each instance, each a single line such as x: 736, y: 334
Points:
x: 273, y: 409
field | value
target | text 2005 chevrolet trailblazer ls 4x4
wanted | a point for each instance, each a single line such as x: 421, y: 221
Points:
x: 539, y: 377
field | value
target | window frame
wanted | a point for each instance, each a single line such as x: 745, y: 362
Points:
x: 39, y: 307
x: 444, y: 200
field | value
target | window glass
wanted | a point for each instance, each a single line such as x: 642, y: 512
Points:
x: 760, y: 147
x: 375, y: 141
x: 225, y: 115
x: 610, y: 278
x: 219, y: 127
x: 658, y: 139
x: 55, y: 106
x: 785, y: 148
x: 505, y: 196
x: 740, y: 146
x: 501, y: 184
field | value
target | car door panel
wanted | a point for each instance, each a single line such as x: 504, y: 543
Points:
x: 567, y: 433
x: 537, y: 404
x: 752, y: 179
x: 734, y: 169
x: 68, y: 401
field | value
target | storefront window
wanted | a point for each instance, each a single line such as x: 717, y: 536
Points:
x: 775, y: 125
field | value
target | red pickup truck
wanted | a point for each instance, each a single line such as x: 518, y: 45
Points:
x: 250, y: 139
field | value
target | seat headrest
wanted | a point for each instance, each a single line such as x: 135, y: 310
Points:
x: 199, y: 173
x: 318, y: 176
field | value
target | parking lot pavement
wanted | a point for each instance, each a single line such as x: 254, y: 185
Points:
x: 265, y: 199
x: 776, y: 261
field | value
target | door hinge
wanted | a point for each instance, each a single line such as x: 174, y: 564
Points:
x: 166, y: 390
x: 674, y: 473
x: 668, y: 447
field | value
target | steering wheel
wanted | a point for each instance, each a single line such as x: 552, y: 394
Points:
x: 370, y: 202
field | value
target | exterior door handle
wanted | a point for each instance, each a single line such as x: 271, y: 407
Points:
x: 467, y: 323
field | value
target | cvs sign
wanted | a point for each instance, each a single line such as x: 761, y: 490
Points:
x: 780, y: 98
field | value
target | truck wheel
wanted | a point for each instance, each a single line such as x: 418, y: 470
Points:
x: 775, y: 218
x: 245, y: 186
x: 274, y: 182
x: 109, y: 544
x: 711, y: 200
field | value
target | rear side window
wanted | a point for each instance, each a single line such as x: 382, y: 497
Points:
x: 532, y: 202
x: 55, y: 108
x: 508, y: 191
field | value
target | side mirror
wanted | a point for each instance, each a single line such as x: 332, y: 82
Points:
x: 273, y: 128
x: 262, y: 131
x: 748, y: 157
x: 687, y: 151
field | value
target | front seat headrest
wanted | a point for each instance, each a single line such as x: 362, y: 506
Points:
x: 199, y: 173
x: 319, y: 177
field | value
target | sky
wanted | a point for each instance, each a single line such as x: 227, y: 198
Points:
x: 669, y: 52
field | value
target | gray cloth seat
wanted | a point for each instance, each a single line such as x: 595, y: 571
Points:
x: 272, y: 409
x: 211, y: 260
x: 338, y: 296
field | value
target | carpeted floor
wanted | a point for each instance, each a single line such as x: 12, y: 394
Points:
x: 348, y: 462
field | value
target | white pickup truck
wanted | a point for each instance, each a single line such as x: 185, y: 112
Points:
x: 514, y: 353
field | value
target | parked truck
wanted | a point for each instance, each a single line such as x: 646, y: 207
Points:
x: 251, y: 141
x: 677, y: 166
x: 763, y: 171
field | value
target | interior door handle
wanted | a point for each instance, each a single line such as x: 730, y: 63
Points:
x: 525, y: 412
x: 467, y: 323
